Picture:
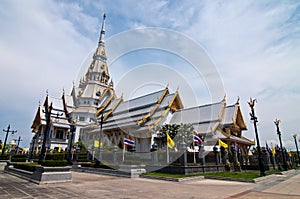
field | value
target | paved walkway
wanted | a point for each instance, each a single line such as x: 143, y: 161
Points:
x: 85, y: 185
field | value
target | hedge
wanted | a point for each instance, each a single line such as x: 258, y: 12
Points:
x: 55, y: 156
x: 87, y: 164
x: 18, y: 158
x: 4, y: 157
x: 27, y: 167
x: 54, y: 163
x: 13, y: 159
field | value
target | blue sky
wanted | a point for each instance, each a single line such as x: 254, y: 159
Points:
x: 254, y: 45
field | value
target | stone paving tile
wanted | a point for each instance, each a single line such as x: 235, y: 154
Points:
x: 97, y: 186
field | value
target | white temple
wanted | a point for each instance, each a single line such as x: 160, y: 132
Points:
x: 94, y: 101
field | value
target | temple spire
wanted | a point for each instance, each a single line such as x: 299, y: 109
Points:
x: 102, y: 32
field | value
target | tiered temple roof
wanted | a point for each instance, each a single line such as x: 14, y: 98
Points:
x: 95, y: 99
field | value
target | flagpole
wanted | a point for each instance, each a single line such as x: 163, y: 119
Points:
x: 124, y: 152
x: 194, y: 151
x: 168, y: 154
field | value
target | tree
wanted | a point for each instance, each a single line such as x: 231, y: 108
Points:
x: 179, y: 133
x: 185, y: 133
x: 171, y: 129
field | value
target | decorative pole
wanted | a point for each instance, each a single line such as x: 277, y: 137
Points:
x: 18, y: 140
x: 295, y: 138
x: 100, y: 139
x: 276, y: 122
x: 254, y: 118
x: 71, y: 137
x: 47, y: 112
x: 7, y: 131
x: 32, y: 146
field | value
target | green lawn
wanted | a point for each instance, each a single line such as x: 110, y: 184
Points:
x: 244, y: 174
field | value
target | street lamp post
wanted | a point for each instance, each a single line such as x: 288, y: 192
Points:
x: 276, y: 122
x: 295, y: 138
x: 71, y: 137
x: 100, y: 139
x: 18, y: 140
x: 254, y: 118
x: 32, y: 146
x: 47, y: 112
x: 7, y: 131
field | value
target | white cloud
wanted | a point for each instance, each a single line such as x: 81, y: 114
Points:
x: 254, y: 44
x: 39, y: 50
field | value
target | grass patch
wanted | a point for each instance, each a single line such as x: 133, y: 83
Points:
x: 169, y: 175
x: 239, y: 175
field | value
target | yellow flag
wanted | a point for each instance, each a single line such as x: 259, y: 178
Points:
x: 223, y: 144
x: 170, y: 142
x: 273, y: 150
x: 96, y: 143
x: 290, y: 153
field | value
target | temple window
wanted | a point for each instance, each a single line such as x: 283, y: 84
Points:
x: 59, y: 134
x: 81, y: 119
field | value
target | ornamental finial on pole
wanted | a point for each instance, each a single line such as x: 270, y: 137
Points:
x: 252, y: 102
x: 276, y: 122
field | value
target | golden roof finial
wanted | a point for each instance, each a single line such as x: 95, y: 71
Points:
x: 102, y: 32
x: 238, y: 100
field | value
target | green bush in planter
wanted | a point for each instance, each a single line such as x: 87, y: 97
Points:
x: 4, y: 157
x: 18, y: 158
x: 27, y: 166
x: 88, y: 164
x: 54, y: 163
x: 55, y: 156
x: 13, y: 159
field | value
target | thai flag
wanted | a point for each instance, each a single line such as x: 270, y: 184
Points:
x: 128, y: 141
x: 197, y: 139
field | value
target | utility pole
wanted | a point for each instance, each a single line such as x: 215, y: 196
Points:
x: 7, y: 131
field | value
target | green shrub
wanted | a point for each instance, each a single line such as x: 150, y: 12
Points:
x: 55, y: 156
x: 27, y: 167
x: 13, y: 159
x: 4, y: 157
x: 82, y: 157
x: 19, y: 156
x: 54, y: 163
x: 88, y: 164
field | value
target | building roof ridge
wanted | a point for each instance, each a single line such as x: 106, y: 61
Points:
x: 201, y: 106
